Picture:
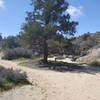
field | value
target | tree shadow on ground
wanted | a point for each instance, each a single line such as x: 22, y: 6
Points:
x: 60, y: 66
x: 69, y: 67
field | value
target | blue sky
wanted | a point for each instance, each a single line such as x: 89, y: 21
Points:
x: 13, y: 12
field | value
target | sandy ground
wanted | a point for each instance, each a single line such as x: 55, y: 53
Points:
x: 51, y: 85
x: 64, y: 60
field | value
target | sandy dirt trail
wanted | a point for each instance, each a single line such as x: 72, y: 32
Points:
x: 51, y: 85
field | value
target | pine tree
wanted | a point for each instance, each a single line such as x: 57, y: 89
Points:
x: 48, y: 18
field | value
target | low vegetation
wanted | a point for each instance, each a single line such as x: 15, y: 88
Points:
x: 10, y: 78
x: 96, y: 63
x: 17, y: 53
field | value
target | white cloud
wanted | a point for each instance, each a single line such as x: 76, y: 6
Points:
x: 2, y: 4
x: 75, y: 11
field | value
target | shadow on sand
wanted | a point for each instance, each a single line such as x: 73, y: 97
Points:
x: 71, y: 67
x: 62, y: 66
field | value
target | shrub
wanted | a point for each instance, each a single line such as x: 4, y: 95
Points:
x: 11, y: 42
x: 95, y: 63
x: 10, y: 78
x: 17, y: 53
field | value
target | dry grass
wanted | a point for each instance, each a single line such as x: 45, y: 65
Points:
x: 10, y: 78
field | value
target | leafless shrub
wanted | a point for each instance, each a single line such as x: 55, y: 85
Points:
x: 17, y: 53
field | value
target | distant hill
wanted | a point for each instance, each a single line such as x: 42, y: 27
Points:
x: 88, y: 47
x: 86, y: 42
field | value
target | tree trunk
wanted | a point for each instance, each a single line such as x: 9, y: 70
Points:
x: 45, y: 60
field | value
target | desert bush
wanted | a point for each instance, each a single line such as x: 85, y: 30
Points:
x: 10, y: 78
x: 11, y: 42
x: 17, y: 53
x: 95, y: 63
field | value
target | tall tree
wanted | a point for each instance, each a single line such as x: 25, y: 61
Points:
x: 48, y: 18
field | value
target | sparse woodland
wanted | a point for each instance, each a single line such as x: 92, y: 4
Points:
x: 48, y: 32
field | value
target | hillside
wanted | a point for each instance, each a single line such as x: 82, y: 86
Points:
x: 85, y: 42
x: 88, y: 48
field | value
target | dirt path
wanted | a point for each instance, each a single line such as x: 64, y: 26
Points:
x: 50, y: 85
